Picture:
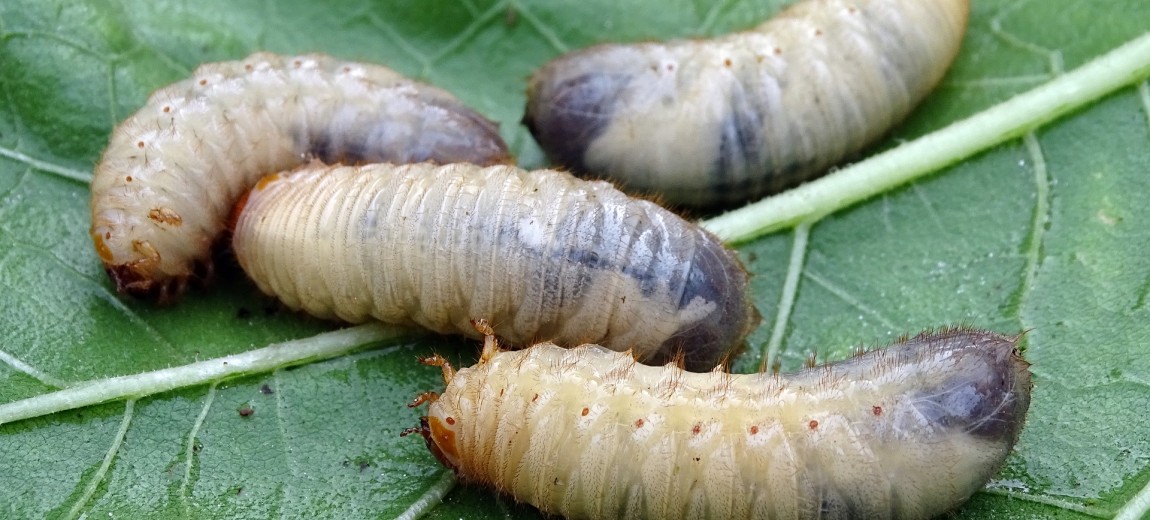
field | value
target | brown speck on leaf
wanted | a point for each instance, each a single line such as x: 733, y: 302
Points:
x: 246, y: 411
x: 360, y: 462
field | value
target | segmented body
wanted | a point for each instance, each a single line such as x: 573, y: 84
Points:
x: 710, y: 122
x: 172, y: 171
x: 908, y: 432
x: 542, y: 255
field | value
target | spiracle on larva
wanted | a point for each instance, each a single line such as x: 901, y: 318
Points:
x: 910, y: 431
x: 721, y: 121
x: 172, y: 171
x: 543, y: 255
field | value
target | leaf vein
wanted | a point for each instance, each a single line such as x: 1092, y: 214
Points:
x: 281, y: 414
x: 45, y: 166
x: 1049, y: 501
x: 1033, y: 247
x: 113, y: 450
x: 1144, y: 96
x: 34, y: 34
x: 101, y: 291
x: 468, y: 32
x: 847, y: 297
x: 556, y: 42
x: 929, y: 205
x: 1053, y: 56
x: 190, y: 448
x: 712, y: 16
x: 795, y: 267
x: 19, y: 365
x: 430, y: 498
x: 399, y: 40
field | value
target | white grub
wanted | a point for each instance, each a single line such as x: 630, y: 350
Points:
x: 910, y: 431
x: 542, y: 255
x: 162, y: 191
x: 726, y: 120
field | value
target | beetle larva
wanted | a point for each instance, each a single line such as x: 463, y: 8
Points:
x: 907, y: 432
x: 172, y: 171
x: 542, y: 255
x: 721, y: 121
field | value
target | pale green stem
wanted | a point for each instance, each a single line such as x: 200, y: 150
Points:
x: 882, y: 172
x: 322, y: 346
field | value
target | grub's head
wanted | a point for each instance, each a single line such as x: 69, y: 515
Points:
x: 440, y: 435
x: 439, y: 428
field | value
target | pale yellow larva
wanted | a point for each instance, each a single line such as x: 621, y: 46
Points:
x: 907, y: 432
x: 543, y: 255
x: 172, y: 171
x: 721, y: 121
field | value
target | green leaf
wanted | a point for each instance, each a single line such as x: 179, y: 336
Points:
x: 1046, y: 234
